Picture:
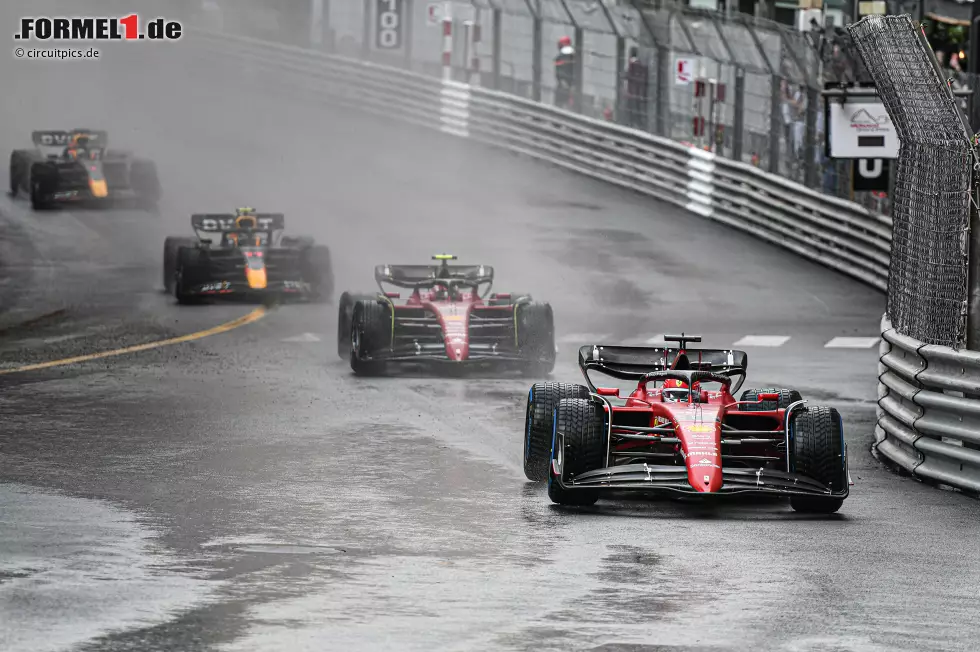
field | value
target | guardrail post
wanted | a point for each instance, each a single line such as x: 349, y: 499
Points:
x: 775, y: 123
x: 739, y: 117
x: 664, y: 69
x: 578, y: 68
x: 495, y: 56
x: 620, y: 78
x: 536, y: 61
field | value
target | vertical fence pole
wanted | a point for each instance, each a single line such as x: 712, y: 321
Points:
x: 447, y: 43
x: 775, y: 123
x: 810, y: 138
x: 366, y: 30
x: 738, y: 118
x: 316, y: 24
x: 497, y: 27
x: 620, y: 80
x: 536, y: 62
x: 578, y: 69
x: 665, y: 69
x: 408, y: 11
x: 973, y: 273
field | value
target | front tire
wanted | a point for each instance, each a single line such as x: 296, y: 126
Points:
x: 170, y: 248
x: 819, y: 452
x: 582, y: 421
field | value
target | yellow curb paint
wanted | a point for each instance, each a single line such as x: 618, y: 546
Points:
x: 253, y: 316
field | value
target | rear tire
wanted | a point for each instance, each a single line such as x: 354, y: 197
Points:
x: 370, y: 334
x: 542, y: 401
x: 582, y: 421
x: 40, y: 180
x: 536, y: 337
x: 818, y: 452
x: 17, y: 160
x: 318, y: 272
x: 786, y: 398
x: 170, y: 247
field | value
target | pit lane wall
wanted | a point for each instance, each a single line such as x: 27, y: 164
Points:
x: 921, y: 426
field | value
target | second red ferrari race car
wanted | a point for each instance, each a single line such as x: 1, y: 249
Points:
x: 447, y: 320
x: 671, y: 434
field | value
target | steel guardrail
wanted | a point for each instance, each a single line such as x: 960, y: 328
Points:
x: 928, y: 410
x: 920, y: 425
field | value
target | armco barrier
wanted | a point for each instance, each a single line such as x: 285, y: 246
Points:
x: 830, y: 231
x: 928, y: 412
x: 920, y: 426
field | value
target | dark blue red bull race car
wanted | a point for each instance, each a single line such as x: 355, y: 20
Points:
x: 681, y: 432
x: 449, y: 319
x: 250, y: 259
x: 75, y: 166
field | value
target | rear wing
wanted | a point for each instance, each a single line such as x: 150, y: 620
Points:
x: 635, y: 362
x: 224, y: 222
x: 53, y: 138
x: 411, y: 276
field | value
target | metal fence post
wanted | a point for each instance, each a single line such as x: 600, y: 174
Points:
x: 620, y: 80
x: 739, y: 118
x: 973, y: 273
x: 409, y: 14
x: 810, y: 137
x: 495, y: 56
x: 578, y: 68
x: 664, y: 68
x: 536, y: 63
x: 366, y: 31
x: 775, y: 123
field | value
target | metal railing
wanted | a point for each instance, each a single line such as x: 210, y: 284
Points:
x: 928, y: 412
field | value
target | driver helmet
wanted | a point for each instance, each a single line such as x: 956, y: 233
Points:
x: 676, y: 391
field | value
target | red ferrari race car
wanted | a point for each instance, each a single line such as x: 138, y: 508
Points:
x: 448, y: 319
x: 673, y: 434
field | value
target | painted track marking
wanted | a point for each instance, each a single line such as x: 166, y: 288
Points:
x: 253, y: 316
x: 852, y: 343
x: 762, y: 340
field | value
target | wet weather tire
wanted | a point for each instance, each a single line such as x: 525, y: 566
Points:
x: 189, y: 264
x: 370, y: 334
x: 538, y: 424
x: 786, y: 398
x: 582, y: 421
x: 818, y: 452
x: 536, y: 337
x: 345, y: 316
x: 170, y: 248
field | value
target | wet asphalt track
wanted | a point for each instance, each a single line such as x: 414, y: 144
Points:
x: 245, y: 492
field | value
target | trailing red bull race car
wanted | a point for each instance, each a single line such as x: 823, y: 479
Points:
x: 73, y: 166
x: 681, y: 431
x: 448, y: 319
x: 252, y: 259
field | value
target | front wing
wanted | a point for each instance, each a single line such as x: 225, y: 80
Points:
x: 229, y: 288
x: 673, y: 479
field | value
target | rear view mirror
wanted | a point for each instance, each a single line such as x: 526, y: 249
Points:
x: 500, y: 295
x: 769, y: 396
x: 393, y: 295
x: 607, y: 391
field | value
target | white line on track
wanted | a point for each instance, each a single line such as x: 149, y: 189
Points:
x: 852, y: 343
x: 762, y: 340
x: 305, y: 337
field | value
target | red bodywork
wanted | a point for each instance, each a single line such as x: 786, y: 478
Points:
x: 453, y: 314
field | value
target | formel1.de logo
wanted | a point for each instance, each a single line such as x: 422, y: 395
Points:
x: 125, y: 28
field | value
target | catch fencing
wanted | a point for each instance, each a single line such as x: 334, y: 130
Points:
x: 758, y: 101
x: 929, y: 389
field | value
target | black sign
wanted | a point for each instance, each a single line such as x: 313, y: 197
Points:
x: 389, y: 21
x: 870, y: 174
